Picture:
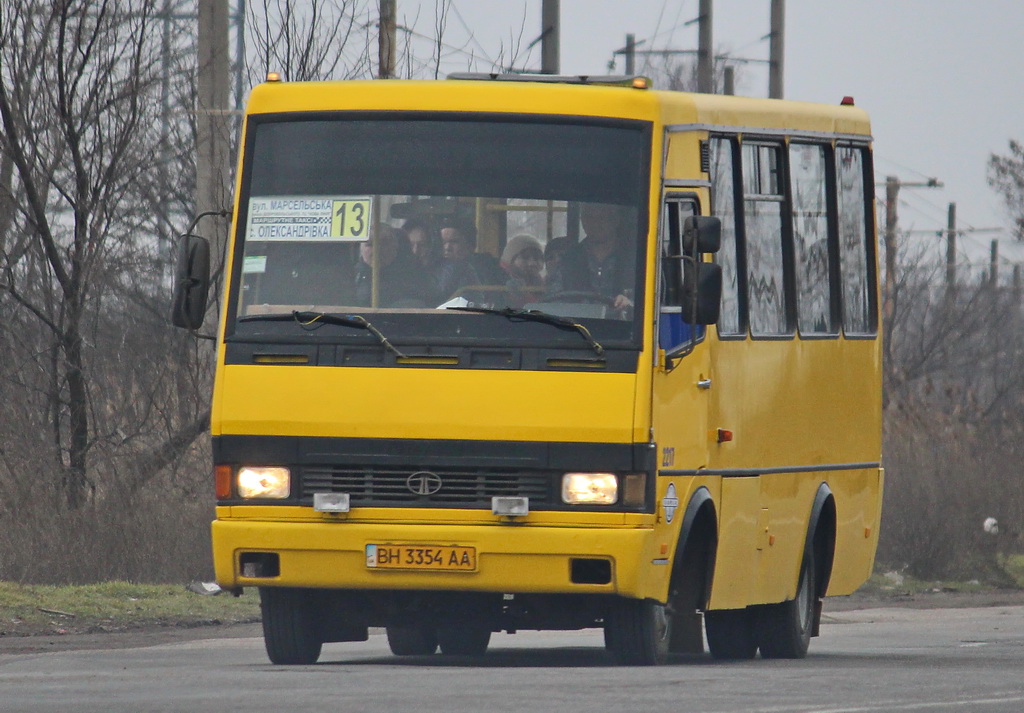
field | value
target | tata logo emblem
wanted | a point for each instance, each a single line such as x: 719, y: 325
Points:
x: 423, y: 483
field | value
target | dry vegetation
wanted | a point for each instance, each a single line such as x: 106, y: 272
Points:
x: 104, y: 470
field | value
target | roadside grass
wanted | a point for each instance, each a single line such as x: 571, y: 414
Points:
x: 27, y: 610
x: 1014, y: 566
x: 888, y: 581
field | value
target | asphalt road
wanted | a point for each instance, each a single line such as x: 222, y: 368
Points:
x: 866, y: 661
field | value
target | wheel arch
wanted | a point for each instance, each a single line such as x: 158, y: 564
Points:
x: 698, y: 537
x: 821, y: 536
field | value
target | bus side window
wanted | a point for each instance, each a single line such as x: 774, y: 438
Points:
x: 854, y: 228
x: 815, y: 311
x: 724, y: 153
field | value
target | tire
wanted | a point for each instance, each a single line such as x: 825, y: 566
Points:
x: 463, y: 640
x: 637, y: 632
x: 784, y: 630
x: 289, y: 626
x: 731, y: 634
x: 412, y: 640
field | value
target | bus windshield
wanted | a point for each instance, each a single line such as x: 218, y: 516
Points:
x: 404, y: 220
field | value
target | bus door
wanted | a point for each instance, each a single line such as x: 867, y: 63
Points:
x: 680, y: 394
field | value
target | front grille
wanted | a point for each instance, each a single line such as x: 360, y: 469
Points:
x: 470, y: 488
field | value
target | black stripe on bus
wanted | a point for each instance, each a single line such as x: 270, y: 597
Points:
x: 751, y: 472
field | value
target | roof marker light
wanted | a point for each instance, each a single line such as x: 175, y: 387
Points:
x: 273, y: 76
x: 847, y: 101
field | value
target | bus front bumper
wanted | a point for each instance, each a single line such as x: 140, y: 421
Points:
x: 506, y: 558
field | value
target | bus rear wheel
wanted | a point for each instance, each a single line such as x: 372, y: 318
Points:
x: 637, y: 632
x: 784, y: 629
x: 289, y: 626
x: 412, y: 640
x: 731, y: 633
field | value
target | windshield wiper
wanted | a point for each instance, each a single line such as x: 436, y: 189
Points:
x: 311, y: 321
x: 532, y: 315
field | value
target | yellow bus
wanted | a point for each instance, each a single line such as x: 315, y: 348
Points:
x: 511, y: 353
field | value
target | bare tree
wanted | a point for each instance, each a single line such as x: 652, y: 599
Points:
x: 73, y: 95
x: 314, y: 40
x: 954, y: 385
x: 1006, y: 176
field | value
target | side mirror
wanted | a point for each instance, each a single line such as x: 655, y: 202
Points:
x: 191, y: 282
x: 702, y: 293
x: 701, y: 234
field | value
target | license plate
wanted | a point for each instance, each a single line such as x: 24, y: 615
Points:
x: 444, y: 558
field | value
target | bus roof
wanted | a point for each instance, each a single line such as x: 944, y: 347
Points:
x: 608, y: 97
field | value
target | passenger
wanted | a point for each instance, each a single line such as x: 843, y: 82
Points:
x: 523, y: 260
x: 461, y: 266
x: 426, y: 253
x: 400, y: 283
x: 553, y: 253
x: 603, y: 263
x: 422, y: 243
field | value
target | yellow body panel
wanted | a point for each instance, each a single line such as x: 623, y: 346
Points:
x: 426, y: 403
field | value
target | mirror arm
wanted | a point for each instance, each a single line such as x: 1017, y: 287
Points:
x: 222, y: 213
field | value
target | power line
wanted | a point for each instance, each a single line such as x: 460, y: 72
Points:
x: 472, y: 37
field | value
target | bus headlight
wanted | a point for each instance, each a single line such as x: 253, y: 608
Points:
x: 264, y: 482
x: 590, y: 489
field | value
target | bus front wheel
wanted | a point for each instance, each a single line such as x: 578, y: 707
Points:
x: 289, y: 626
x: 637, y: 632
x: 412, y: 640
x: 463, y: 640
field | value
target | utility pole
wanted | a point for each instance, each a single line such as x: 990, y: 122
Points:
x: 239, y: 59
x: 993, y: 265
x: 213, y: 121
x: 892, y: 191
x: 163, y: 166
x: 386, y: 40
x: 549, y: 34
x: 729, y: 81
x: 630, y: 53
x: 705, y: 56
x: 951, y: 250
x: 776, y: 49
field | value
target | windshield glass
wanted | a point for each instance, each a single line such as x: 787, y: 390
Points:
x: 401, y: 220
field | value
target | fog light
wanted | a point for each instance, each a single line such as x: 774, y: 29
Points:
x: 508, y: 505
x: 590, y: 489
x: 331, y: 502
x: 264, y: 482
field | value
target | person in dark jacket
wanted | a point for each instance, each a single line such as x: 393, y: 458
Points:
x: 400, y: 282
x: 461, y: 266
x: 603, y: 263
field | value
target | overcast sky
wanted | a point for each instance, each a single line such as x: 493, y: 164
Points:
x: 941, y: 79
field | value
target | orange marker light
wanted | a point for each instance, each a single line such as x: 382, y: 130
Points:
x: 222, y: 481
x: 724, y: 435
x: 273, y: 76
